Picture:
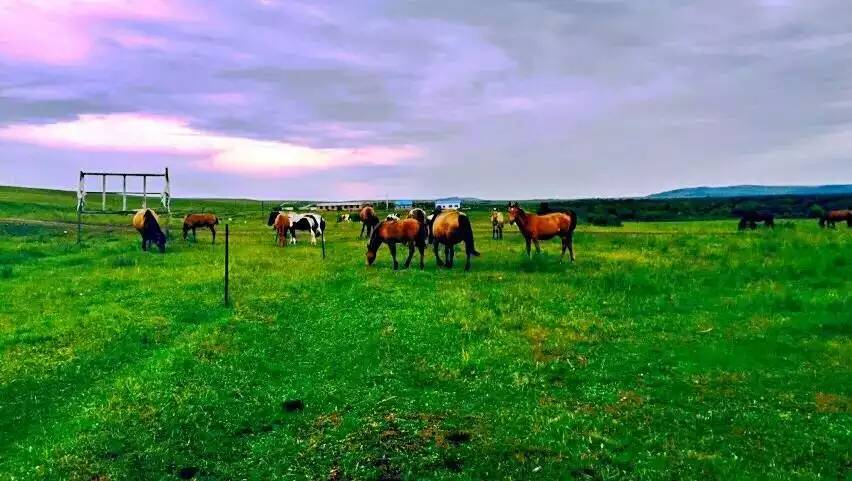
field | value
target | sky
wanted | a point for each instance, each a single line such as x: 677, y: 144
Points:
x: 367, y: 99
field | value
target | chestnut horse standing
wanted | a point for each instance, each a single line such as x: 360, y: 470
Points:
x: 146, y: 222
x: 281, y: 224
x: 194, y: 221
x: 536, y: 228
x: 829, y: 218
x: 408, y: 231
x: 496, y: 224
x: 369, y: 220
x: 450, y: 228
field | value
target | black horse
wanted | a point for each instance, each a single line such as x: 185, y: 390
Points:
x: 750, y: 218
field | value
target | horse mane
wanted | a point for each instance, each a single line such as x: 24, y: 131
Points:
x: 375, y: 241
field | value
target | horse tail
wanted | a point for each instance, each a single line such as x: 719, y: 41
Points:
x: 467, y: 235
x: 573, y: 218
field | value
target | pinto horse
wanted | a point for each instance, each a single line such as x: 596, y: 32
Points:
x: 369, y: 220
x: 408, y: 231
x: 496, y: 224
x: 313, y: 223
x: 450, y: 228
x: 146, y: 222
x: 536, y: 228
x: 750, y: 218
x: 281, y: 224
x: 194, y: 221
x: 830, y: 218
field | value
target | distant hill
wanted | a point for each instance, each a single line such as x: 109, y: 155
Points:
x: 753, y: 191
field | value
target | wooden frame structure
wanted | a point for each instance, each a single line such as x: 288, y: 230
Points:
x: 164, y: 194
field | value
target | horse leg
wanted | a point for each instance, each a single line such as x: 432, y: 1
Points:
x: 467, y: 260
x: 144, y: 245
x: 451, y: 255
x: 410, y: 255
x: 194, y: 235
x: 537, y: 246
x: 392, y: 248
x: 421, y: 246
x: 438, y: 260
x: 213, y: 231
x: 529, y: 241
x: 313, y: 238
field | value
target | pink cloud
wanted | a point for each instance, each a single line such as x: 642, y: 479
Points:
x: 63, y: 32
x: 210, y: 151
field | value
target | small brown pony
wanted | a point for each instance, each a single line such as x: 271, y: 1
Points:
x: 369, y: 220
x: 536, y: 228
x: 496, y: 224
x: 408, y: 231
x: 830, y: 218
x: 194, y: 221
x: 282, y: 225
x: 450, y: 228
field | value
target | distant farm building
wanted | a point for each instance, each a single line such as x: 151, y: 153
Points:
x: 403, y: 204
x: 349, y: 205
x: 449, y: 203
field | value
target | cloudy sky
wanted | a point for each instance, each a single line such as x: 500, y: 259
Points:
x: 401, y: 98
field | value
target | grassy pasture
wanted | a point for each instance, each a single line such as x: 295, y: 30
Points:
x: 668, y: 351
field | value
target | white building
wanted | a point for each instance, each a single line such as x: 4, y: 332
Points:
x: 448, y: 203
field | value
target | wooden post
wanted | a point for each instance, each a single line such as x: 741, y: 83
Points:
x: 144, y: 191
x: 168, y: 193
x: 103, y: 192
x: 227, y: 237
x: 81, y: 199
x: 79, y: 226
x: 124, y: 192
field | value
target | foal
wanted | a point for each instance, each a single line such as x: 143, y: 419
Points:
x: 536, y: 228
x: 146, y: 222
x: 369, y: 220
x: 194, y: 221
x: 281, y: 224
x: 408, y: 231
x: 450, y: 228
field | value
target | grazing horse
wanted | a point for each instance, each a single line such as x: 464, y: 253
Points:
x: 282, y: 225
x: 750, y: 218
x: 828, y: 219
x: 536, y: 228
x: 496, y: 224
x: 313, y: 223
x: 148, y: 224
x: 194, y: 221
x: 369, y: 220
x: 409, y: 231
x: 344, y: 217
x: 450, y: 228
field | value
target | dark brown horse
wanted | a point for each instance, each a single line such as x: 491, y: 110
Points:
x: 407, y: 231
x: 536, y: 228
x: 750, y: 218
x: 194, y: 221
x: 450, y: 228
x: 369, y: 220
x: 281, y: 224
x: 830, y: 218
x: 146, y: 222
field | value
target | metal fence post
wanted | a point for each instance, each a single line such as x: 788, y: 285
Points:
x: 227, y: 240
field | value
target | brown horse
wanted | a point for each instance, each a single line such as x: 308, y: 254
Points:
x: 830, y: 218
x: 194, y: 221
x: 369, y: 220
x: 281, y: 224
x: 408, y: 231
x: 450, y: 228
x: 536, y: 228
x: 146, y: 222
x: 496, y: 224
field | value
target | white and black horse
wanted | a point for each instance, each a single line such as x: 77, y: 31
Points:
x: 312, y: 223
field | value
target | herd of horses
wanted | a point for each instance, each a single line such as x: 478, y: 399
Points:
x: 750, y: 218
x: 441, y: 228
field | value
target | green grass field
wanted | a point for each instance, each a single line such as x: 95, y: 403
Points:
x: 668, y: 351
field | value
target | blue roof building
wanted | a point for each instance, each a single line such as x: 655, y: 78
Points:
x: 403, y: 204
